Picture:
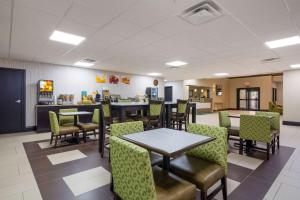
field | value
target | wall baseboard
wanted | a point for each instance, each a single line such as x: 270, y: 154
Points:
x: 30, y: 128
x: 291, y: 123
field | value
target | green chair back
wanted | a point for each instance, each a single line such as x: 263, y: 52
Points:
x: 224, y: 120
x: 214, y: 151
x: 131, y: 171
x: 182, y: 106
x: 54, y: 126
x: 106, y: 108
x: 257, y: 128
x: 275, y: 120
x: 155, y: 108
x: 95, y: 118
x: 125, y: 128
x: 67, y: 120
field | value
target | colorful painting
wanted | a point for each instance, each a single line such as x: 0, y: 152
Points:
x: 102, y: 78
x: 125, y: 80
x: 114, y: 79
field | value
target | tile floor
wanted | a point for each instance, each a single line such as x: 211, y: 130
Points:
x: 17, y: 180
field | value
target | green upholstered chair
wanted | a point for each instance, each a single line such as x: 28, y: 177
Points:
x: 275, y: 108
x: 154, y: 117
x: 67, y: 120
x: 275, y: 124
x: 207, y: 164
x: 90, y: 127
x: 134, y: 178
x: 125, y: 128
x: 107, y: 112
x: 224, y: 121
x: 181, y: 116
x: 257, y: 128
x: 57, y: 130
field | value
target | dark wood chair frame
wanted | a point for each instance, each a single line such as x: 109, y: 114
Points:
x: 160, y: 117
x: 178, y: 122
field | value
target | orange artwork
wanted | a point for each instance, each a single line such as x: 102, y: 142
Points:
x: 114, y: 79
x: 101, y: 78
x: 125, y: 80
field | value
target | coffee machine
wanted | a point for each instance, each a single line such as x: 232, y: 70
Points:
x: 45, y: 92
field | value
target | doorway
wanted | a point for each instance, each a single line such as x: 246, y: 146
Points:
x: 12, y: 101
x: 169, y: 93
x: 248, y: 98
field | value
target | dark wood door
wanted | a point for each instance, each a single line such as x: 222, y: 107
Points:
x: 168, y: 93
x: 12, y: 100
x: 248, y: 98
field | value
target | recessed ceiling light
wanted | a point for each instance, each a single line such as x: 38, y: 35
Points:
x: 295, y: 66
x: 165, y: 80
x: 221, y: 74
x: 155, y: 74
x: 83, y: 63
x: 283, y: 42
x: 66, y: 38
x: 176, y: 63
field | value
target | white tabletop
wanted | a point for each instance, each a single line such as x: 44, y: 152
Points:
x: 167, y: 141
x: 75, y: 113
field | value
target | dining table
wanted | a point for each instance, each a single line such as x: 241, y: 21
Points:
x: 167, y: 142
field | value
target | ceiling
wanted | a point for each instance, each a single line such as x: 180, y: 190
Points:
x: 140, y: 36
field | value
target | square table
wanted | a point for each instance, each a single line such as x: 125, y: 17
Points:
x: 168, y: 142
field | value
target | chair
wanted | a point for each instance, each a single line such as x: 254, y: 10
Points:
x: 107, y: 112
x: 134, y: 178
x: 57, y: 130
x: 181, y: 116
x: 224, y: 121
x: 67, y: 120
x: 275, y: 108
x: 275, y: 124
x: 125, y: 128
x: 154, y: 118
x: 207, y: 164
x: 88, y: 127
x: 256, y: 128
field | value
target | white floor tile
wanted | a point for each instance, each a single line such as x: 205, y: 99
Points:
x: 244, y: 161
x: 88, y: 180
x: 67, y: 156
x: 288, y: 192
x: 33, y: 194
x: 45, y: 145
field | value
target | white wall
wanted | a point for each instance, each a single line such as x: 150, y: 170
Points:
x: 73, y: 80
x: 179, y: 90
x: 291, y: 96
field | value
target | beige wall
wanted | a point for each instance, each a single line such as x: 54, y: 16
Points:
x: 279, y: 93
x: 263, y: 82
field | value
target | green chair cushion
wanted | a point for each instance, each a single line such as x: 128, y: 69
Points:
x: 125, y: 128
x: 67, y: 120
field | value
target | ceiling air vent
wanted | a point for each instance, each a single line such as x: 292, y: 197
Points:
x: 270, y: 60
x: 87, y: 60
x: 203, y: 12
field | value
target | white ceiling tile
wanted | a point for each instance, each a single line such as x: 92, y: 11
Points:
x: 31, y: 30
x: 122, y: 28
x: 76, y: 28
x: 53, y: 7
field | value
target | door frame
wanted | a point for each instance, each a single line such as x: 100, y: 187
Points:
x: 23, y: 96
x: 247, y: 99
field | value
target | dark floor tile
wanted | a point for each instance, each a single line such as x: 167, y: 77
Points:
x: 55, y: 190
x: 102, y: 193
x: 238, y: 173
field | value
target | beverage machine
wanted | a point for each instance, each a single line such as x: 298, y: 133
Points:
x: 152, y: 93
x: 45, y: 92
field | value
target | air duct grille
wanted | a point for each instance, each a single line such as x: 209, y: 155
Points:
x: 202, y: 12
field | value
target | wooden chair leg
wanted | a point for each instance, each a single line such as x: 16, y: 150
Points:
x: 278, y: 143
x: 241, y: 147
x: 273, y: 145
x: 55, y: 143
x: 203, y: 195
x: 84, y: 136
x: 268, y: 150
x: 224, y: 188
x: 51, y: 139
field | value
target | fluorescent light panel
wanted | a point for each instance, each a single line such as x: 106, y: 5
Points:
x: 295, y: 66
x: 67, y: 38
x: 221, y: 74
x: 83, y: 64
x: 176, y: 63
x: 155, y: 74
x: 283, y: 42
